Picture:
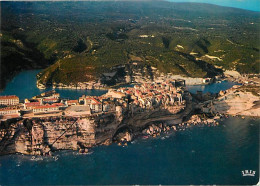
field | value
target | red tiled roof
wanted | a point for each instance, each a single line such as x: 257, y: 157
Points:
x: 45, y: 106
x: 50, y: 99
x: 8, y: 108
x: 32, y: 104
x: 9, y: 97
x: 58, y: 104
x: 11, y: 115
x: 72, y: 101
x: 95, y: 100
x: 128, y: 92
x: 136, y: 101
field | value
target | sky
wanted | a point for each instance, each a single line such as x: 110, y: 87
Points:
x: 253, y: 5
x: 244, y: 4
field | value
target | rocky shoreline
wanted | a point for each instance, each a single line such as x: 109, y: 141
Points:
x: 42, y: 136
x: 155, y: 130
x: 241, y: 100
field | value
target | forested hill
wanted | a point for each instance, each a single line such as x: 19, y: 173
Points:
x: 84, y: 39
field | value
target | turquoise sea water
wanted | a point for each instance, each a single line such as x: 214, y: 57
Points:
x: 199, y: 155
x: 212, y: 88
x: 243, y: 4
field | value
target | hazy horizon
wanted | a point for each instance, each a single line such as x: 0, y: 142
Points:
x: 253, y: 5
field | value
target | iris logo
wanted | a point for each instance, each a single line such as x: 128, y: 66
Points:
x: 248, y: 173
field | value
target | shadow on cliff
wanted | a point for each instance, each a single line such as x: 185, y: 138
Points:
x: 135, y: 123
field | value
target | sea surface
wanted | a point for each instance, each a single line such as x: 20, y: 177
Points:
x: 212, y: 88
x: 253, y: 5
x: 24, y: 86
x: 198, y: 155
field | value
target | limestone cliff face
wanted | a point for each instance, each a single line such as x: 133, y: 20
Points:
x: 14, y: 137
x: 41, y: 136
x: 46, y: 135
x: 240, y: 103
x: 234, y: 102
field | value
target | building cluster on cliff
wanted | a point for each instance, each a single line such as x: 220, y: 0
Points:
x: 140, y: 97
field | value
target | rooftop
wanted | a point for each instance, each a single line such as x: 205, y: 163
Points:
x: 45, y: 106
x: 9, y: 97
x: 9, y: 108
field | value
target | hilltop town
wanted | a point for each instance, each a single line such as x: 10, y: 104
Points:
x: 47, y: 122
x: 134, y: 99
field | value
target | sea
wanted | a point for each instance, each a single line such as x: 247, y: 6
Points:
x: 200, y: 155
x: 24, y: 86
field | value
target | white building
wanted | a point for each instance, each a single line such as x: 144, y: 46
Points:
x: 9, y: 100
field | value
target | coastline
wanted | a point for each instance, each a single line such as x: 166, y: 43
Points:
x: 136, y: 78
x: 121, y: 128
x: 81, y: 133
x: 171, y: 150
x: 103, y: 118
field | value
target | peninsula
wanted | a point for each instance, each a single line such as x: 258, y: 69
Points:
x: 46, y: 122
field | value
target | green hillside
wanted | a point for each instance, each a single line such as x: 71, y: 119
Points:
x: 83, y: 39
